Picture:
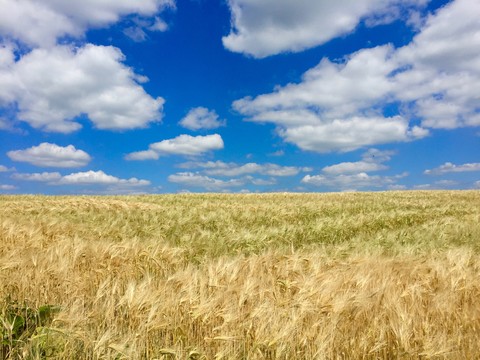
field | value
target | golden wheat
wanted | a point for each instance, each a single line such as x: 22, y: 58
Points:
x: 270, y: 276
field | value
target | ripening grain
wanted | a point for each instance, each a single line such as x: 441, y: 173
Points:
x: 271, y: 276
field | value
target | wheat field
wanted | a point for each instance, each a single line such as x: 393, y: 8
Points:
x: 387, y: 275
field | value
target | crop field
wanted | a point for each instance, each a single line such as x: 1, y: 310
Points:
x: 388, y: 275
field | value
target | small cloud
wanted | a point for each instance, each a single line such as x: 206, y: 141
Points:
x: 437, y: 185
x: 355, y: 181
x: 201, y: 181
x: 51, y: 155
x: 5, y: 169
x: 7, y: 187
x: 98, y: 178
x: 372, y: 161
x: 448, y: 167
x: 220, y: 168
x: 185, y: 145
x: 201, y: 118
x: 261, y: 182
x: 158, y: 25
x: 278, y: 153
x: 87, y: 178
x: 396, y: 187
x: 135, y: 33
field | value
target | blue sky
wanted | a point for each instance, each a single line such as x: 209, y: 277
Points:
x: 166, y: 96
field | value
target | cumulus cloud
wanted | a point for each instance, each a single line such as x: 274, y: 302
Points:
x: 98, y: 178
x: 195, y: 180
x: 341, y: 106
x: 330, y: 110
x: 52, y: 87
x: 266, y: 27
x: 372, y: 161
x: 221, y: 168
x: 185, y: 145
x: 443, y: 80
x: 351, y: 134
x: 201, y: 118
x: 354, y: 181
x: 51, y: 155
x: 43, y: 22
x: 448, y: 167
x: 353, y: 175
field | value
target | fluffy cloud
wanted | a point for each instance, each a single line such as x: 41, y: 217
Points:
x: 266, y: 27
x: 99, y: 178
x: 43, y: 22
x: 181, y: 145
x: 200, y: 181
x: 107, y: 184
x: 52, y: 87
x: 448, y: 167
x: 330, y: 110
x: 353, y: 175
x: 350, y: 182
x: 340, y: 106
x: 201, y: 118
x: 372, y: 161
x: 443, y: 80
x: 51, y: 155
x: 351, y: 134
x: 221, y: 168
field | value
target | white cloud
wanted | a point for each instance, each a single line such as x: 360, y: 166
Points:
x: 349, y: 182
x: 7, y: 187
x: 99, y: 178
x: 4, y: 123
x: 444, y: 79
x: 3, y: 168
x: 448, y: 167
x: 51, y: 155
x: 266, y: 27
x: 372, y: 161
x: 277, y: 153
x: 201, y: 118
x: 396, y: 187
x: 353, y: 168
x: 347, y: 176
x: 221, y: 168
x: 330, y: 110
x: 261, y: 182
x: 181, y: 145
x: 107, y: 184
x: 437, y: 185
x: 340, y: 106
x: 200, y: 181
x: 41, y: 177
x: 477, y: 184
x: 52, y: 87
x: 43, y: 22
x: 351, y: 134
